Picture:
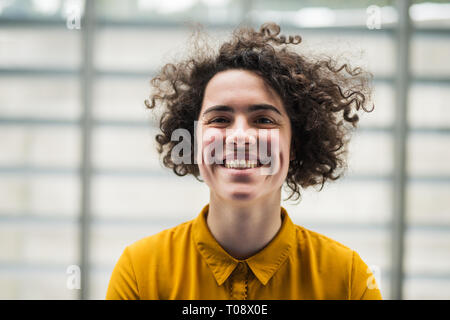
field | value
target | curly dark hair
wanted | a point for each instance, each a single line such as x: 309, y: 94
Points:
x: 321, y: 101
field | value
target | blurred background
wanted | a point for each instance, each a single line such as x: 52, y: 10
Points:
x: 80, y: 177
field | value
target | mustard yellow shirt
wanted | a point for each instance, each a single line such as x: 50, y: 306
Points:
x: 186, y: 262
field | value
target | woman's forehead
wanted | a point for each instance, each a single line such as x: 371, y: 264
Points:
x: 238, y: 88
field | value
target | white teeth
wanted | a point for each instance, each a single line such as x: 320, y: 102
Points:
x: 241, y: 164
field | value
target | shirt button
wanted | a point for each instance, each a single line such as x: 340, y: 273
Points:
x: 240, y: 267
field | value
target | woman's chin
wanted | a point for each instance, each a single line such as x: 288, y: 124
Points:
x: 241, y: 197
x: 243, y: 194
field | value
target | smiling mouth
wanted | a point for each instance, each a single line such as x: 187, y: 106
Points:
x: 242, y: 165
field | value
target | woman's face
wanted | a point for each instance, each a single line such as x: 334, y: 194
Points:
x: 242, y: 114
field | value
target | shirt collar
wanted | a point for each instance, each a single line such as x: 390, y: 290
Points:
x: 263, y: 264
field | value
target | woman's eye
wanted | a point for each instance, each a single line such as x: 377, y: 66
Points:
x: 215, y: 120
x: 270, y: 121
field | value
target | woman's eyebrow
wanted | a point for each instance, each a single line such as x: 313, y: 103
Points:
x: 252, y: 108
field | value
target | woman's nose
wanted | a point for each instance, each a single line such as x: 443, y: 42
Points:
x: 241, y: 133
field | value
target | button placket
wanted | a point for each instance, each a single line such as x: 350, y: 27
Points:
x: 239, y: 282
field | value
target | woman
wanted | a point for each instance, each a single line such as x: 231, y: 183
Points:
x: 253, y: 95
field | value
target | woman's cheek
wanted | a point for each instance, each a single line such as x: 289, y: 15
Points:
x: 270, y: 152
x: 211, y: 149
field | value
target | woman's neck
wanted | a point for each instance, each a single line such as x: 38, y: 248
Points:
x: 243, y: 230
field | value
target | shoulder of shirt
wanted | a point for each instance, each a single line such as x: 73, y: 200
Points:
x: 318, y: 240
x: 162, y: 239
